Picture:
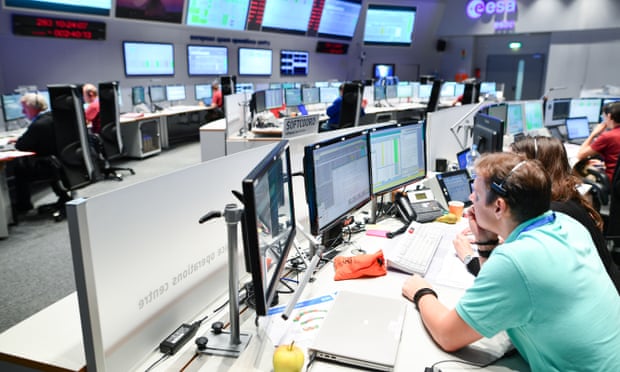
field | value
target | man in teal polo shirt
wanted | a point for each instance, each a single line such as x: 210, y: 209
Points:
x: 544, y: 285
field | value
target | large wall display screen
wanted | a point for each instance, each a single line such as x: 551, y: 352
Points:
x: 98, y: 7
x: 226, y: 14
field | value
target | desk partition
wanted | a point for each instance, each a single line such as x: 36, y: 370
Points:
x: 142, y: 262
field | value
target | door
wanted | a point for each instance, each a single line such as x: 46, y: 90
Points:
x: 521, y: 74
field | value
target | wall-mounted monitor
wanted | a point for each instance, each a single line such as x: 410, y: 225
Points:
x: 310, y: 95
x: 157, y: 93
x: 287, y: 16
x: 337, y: 179
x: 244, y: 87
x: 11, y: 107
x: 162, y: 11
x: 488, y: 133
x: 383, y: 70
x: 96, y: 7
x: 137, y: 95
x: 175, y: 92
x: 339, y: 18
x: 397, y: 156
x: 294, y: 63
x: 204, y: 60
x: 389, y: 25
x: 148, y: 59
x: 269, y: 219
x: 255, y: 61
x: 230, y: 15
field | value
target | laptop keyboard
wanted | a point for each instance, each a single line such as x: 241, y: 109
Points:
x: 414, y: 250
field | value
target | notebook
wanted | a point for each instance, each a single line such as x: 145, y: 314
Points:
x: 361, y: 330
x: 577, y: 129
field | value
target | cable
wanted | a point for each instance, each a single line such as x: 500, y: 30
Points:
x: 163, y: 357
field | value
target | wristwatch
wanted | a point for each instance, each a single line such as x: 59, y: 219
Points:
x: 467, y: 259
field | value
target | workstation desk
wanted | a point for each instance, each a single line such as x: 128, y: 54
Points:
x: 51, y: 340
x: 148, y: 133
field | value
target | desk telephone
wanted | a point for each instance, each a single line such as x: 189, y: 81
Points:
x: 420, y: 211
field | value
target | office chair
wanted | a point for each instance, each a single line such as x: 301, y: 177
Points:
x: 351, y: 103
x: 109, y: 143
x: 433, y: 100
x: 597, y: 179
x: 612, y: 221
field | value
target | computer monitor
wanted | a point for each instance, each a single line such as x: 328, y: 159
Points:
x: 448, y: 90
x: 514, y: 118
x: 310, y: 95
x: 254, y: 61
x: 557, y: 111
x: 404, y: 91
x: 294, y: 63
x: 488, y: 133
x: 244, y: 87
x: 391, y: 91
x: 590, y: 107
x: 269, y: 223
x: 379, y: 93
x: 533, y: 113
x: 397, y: 156
x: 424, y: 91
x: 203, y: 92
x: 383, y: 70
x: 455, y: 185
x: 257, y: 102
x: 577, y: 128
x: 292, y: 96
x: 137, y: 95
x: 148, y: 59
x: 488, y: 87
x: 11, y: 108
x: 328, y: 94
x: 273, y: 98
x: 337, y: 179
x: 157, y: 93
x: 175, y: 92
x: 203, y: 60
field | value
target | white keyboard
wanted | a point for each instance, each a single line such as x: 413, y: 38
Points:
x: 414, y: 250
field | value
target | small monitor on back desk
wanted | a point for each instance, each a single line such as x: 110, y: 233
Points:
x: 450, y: 186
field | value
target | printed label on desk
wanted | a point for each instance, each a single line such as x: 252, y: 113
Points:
x: 300, y: 125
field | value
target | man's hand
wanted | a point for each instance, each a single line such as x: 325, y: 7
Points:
x: 412, y: 284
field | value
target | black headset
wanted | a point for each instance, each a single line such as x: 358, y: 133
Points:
x: 500, y: 187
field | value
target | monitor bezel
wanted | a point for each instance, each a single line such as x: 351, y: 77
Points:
x: 215, y: 73
x: 264, y: 291
x: 144, y: 43
x: 489, y: 128
x: 239, y: 64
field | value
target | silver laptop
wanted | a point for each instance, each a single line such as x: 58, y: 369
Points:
x: 361, y: 330
x: 577, y: 129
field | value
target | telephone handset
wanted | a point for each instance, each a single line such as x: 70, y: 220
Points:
x: 423, y: 211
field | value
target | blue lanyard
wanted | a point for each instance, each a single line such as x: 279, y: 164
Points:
x: 543, y: 221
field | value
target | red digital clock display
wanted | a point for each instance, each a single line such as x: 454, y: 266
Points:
x: 58, y: 28
x: 332, y: 48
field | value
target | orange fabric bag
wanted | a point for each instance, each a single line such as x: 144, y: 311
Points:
x: 359, y: 266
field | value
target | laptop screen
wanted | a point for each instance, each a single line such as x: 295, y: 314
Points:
x: 577, y: 128
x: 462, y: 158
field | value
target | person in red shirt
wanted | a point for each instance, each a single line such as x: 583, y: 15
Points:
x: 91, y: 98
x: 604, y: 141
x: 216, y: 109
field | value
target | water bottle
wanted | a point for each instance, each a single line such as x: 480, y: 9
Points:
x: 472, y: 156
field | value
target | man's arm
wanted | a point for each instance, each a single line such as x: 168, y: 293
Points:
x: 446, y: 327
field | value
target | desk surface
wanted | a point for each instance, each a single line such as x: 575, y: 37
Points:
x: 52, y: 340
x: 173, y: 110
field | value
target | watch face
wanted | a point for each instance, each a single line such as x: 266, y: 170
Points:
x: 467, y: 259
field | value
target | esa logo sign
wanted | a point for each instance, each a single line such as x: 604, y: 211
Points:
x: 477, y: 8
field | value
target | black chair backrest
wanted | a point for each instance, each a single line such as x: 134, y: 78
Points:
x: 74, y: 150
x: 351, y: 103
x: 433, y: 100
x: 471, y: 92
x: 612, y: 227
x: 109, y: 113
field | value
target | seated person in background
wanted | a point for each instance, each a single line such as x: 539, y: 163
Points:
x: 39, y: 138
x: 604, y: 141
x: 544, y: 285
x: 333, y: 111
x: 217, y: 103
x: 91, y: 98
x: 565, y: 198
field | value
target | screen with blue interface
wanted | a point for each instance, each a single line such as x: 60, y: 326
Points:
x: 202, y: 91
x: 11, y: 108
x: 397, y: 156
x: 294, y: 63
x: 391, y: 91
x: 226, y: 14
x: 207, y: 60
x: 533, y: 111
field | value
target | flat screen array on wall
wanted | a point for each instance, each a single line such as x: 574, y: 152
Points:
x: 389, y: 25
x: 204, y: 60
x: 162, y: 11
x: 255, y: 61
x: 148, y: 59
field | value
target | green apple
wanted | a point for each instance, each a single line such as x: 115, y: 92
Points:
x: 288, y: 358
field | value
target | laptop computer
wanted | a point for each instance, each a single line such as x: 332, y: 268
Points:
x: 577, y: 129
x: 361, y: 330
x: 461, y: 157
